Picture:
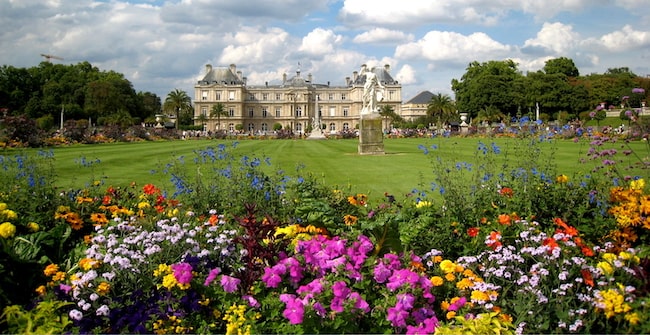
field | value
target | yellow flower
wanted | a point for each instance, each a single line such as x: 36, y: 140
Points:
x: 33, y: 227
x: 479, y: 296
x: 447, y: 266
x: 144, y: 205
x: 350, y: 220
x: 59, y: 276
x: 163, y: 269
x: 444, y: 305
x: 3, y: 206
x: 464, y: 283
x: 7, y: 230
x: 422, y: 204
x: 9, y: 214
x: 451, y: 315
x: 51, y: 269
x: 605, y: 267
x: 632, y: 318
x: 561, y: 179
x: 638, y: 184
x: 103, y: 288
x: 88, y: 263
x: 609, y: 257
x: 437, y: 281
x: 40, y: 290
x: 450, y: 277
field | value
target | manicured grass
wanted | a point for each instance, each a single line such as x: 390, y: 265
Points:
x: 335, y: 162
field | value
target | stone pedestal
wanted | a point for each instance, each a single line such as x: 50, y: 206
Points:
x: 371, y: 137
x: 316, y: 134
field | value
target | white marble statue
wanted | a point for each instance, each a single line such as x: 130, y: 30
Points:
x: 373, y: 91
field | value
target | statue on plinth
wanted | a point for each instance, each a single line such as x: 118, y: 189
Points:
x: 373, y: 91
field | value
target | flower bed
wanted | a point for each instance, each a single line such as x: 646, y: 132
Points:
x: 530, y: 250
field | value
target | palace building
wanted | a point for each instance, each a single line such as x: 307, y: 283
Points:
x: 294, y: 104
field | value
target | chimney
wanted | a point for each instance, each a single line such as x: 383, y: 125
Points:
x: 284, y: 78
x: 208, y: 68
x: 309, y: 77
x: 233, y: 68
x: 355, y: 75
x: 387, y: 68
x: 347, y: 81
x: 239, y: 75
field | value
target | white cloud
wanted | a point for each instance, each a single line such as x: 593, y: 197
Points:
x: 453, y: 47
x: 383, y: 36
x: 625, y: 39
x: 557, y: 38
x: 320, y: 42
x: 254, y: 46
x: 406, y: 75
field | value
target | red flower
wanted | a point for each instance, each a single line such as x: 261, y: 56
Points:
x: 506, y: 192
x: 472, y: 232
x: 150, y: 189
x: 586, y: 276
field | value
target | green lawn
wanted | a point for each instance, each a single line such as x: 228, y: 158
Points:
x: 335, y: 162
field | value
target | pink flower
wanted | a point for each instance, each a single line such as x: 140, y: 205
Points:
x: 211, y: 276
x: 230, y: 284
x: 182, y: 272
x: 294, y: 311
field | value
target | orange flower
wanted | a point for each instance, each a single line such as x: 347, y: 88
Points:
x: 484, y: 220
x: 98, y: 218
x: 586, y: 276
x: 106, y: 200
x: 504, y: 219
x: 51, y: 270
x: 150, y: 189
x: 551, y: 243
x: 506, y: 192
x: 472, y: 232
x: 213, y: 219
x: 494, y: 241
x: 350, y: 220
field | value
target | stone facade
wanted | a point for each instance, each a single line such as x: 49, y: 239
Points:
x: 293, y: 104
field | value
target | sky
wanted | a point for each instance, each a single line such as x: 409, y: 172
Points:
x: 161, y: 46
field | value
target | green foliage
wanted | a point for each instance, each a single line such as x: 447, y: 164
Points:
x: 45, y: 318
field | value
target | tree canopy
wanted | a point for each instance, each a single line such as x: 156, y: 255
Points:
x: 499, y: 88
x: 82, y: 91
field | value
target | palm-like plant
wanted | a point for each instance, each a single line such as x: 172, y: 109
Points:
x: 441, y: 107
x: 177, y: 101
x: 218, y: 111
x: 388, y: 112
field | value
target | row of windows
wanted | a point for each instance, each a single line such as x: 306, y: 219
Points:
x: 278, y: 96
x: 278, y: 112
x: 299, y: 127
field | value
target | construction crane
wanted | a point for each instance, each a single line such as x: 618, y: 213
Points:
x: 48, y: 58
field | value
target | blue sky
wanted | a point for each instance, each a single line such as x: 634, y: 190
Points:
x: 164, y: 45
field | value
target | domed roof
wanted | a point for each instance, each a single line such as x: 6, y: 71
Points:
x: 382, y: 75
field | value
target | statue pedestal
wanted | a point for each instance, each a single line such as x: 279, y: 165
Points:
x: 316, y: 135
x: 371, y: 137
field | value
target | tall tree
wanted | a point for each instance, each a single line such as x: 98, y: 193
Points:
x: 178, y: 102
x: 561, y: 65
x: 486, y: 84
x: 441, y: 108
x: 218, y: 111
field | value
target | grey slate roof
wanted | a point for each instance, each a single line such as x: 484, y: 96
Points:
x: 423, y: 97
x: 382, y: 75
x: 222, y: 75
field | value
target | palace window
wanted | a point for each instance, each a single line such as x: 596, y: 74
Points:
x: 265, y: 127
x: 346, y: 126
x: 265, y: 112
x: 231, y: 111
x: 332, y: 127
x: 204, y: 95
x: 278, y: 112
x: 342, y: 96
x: 250, y: 112
x: 332, y: 111
x: 217, y: 94
x: 278, y: 96
x: 346, y: 111
x: 231, y: 95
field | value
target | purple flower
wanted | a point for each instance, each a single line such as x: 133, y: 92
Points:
x: 625, y: 97
x: 406, y: 300
x: 65, y: 288
x: 340, y: 289
x: 211, y: 276
x: 397, y: 316
x: 251, y: 301
x: 638, y: 90
x: 359, y: 302
x: 381, y: 273
x: 314, y: 287
x: 320, y: 310
x: 337, y: 304
x: 458, y: 304
x: 230, y: 284
x: 294, y: 311
x: 271, y: 278
x: 182, y: 272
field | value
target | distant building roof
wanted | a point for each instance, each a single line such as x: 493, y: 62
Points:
x: 382, y: 75
x: 222, y: 75
x: 423, y: 97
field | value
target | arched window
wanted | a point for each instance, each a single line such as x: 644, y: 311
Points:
x: 332, y: 126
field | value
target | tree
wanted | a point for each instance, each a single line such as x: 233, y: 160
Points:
x: 491, y: 83
x: 202, y: 118
x: 218, y: 111
x: 561, y: 65
x: 388, y: 112
x: 442, y: 108
x: 177, y: 101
